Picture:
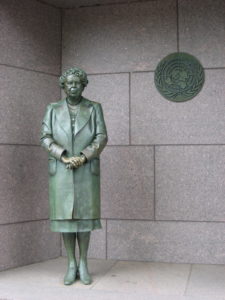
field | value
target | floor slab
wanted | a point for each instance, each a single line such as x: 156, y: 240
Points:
x: 50, y: 274
x: 207, y: 280
x: 113, y: 280
x: 154, y: 278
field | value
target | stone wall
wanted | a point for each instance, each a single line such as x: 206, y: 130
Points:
x: 163, y: 169
x: 29, y: 66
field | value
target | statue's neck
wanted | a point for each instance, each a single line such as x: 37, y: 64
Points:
x: 73, y: 100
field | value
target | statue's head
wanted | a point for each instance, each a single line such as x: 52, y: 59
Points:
x: 73, y: 81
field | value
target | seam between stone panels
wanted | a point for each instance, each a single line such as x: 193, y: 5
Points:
x: 26, y: 221
x: 32, y: 145
x: 110, y: 4
x: 129, y: 106
x: 152, y: 145
x: 107, y: 73
x: 61, y: 40
x: 143, y: 71
x: 106, y: 240
x: 215, y: 68
x: 125, y: 145
x: 171, y: 221
x: 140, y: 145
x: 177, y: 13
x: 154, y: 182
x: 92, y: 74
x: 60, y: 243
x: 188, y: 281
x: 29, y: 70
x: 121, y: 72
x: 48, y: 4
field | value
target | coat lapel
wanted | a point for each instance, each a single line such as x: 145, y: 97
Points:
x: 83, y: 115
x: 63, y: 117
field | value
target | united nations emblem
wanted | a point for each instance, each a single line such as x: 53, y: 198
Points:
x: 179, y: 77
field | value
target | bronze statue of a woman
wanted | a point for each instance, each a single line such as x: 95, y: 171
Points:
x: 74, y: 134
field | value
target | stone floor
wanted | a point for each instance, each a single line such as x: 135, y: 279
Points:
x: 113, y: 280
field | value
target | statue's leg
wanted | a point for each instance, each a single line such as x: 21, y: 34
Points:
x: 83, y: 242
x: 69, y: 242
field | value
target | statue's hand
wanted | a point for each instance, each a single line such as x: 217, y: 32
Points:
x: 65, y: 159
x: 77, y: 161
x: 74, y: 161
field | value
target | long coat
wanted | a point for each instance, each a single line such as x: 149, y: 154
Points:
x: 74, y: 189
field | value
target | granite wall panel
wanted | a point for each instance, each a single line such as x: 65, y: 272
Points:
x: 202, y: 30
x: 30, y: 35
x: 156, y: 120
x: 190, y: 183
x: 24, y: 97
x: 119, y: 38
x: 127, y: 182
x: 26, y: 243
x: 112, y: 91
x: 23, y: 183
x: 30, y: 39
x: 176, y: 242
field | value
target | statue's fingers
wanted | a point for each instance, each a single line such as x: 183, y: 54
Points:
x: 71, y: 165
x: 74, y: 161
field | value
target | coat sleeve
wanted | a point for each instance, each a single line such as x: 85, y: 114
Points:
x: 100, y: 140
x: 46, y: 139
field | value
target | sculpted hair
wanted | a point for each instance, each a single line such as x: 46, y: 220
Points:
x: 73, y: 71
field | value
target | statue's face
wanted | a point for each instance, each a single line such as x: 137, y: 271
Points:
x: 73, y: 87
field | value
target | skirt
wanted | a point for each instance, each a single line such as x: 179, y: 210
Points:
x: 75, y: 225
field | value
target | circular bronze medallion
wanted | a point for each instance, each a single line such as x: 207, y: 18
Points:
x: 179, y: 77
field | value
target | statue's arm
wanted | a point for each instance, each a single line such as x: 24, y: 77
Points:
x: 46, y: 139
x: 99, y: 142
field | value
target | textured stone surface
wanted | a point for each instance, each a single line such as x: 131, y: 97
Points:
x: 202, y: 31
x: 48, y: 276
x: 23, y: 183
x: 24, y: 97
x: 113, y: 280
x: 190, y: 183
x: 127, y: 176
x: 30, y: 35
x: 97, y: 247
x: 155, y: 120
x: 207, y: 280
x: 154, y: 278
x: 112, y: 91
x: 26, y: 243
x: 180, y: 242
x: 122, y: 37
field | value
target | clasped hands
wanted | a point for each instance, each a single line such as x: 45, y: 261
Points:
x: 74, y: 161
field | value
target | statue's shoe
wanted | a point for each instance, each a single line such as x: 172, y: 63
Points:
x: 84, y: 275
x: 70, y: 276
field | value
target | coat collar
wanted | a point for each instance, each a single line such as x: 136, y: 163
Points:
x: 63, y: 116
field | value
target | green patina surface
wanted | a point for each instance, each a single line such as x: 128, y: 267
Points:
x: 179, y: 77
